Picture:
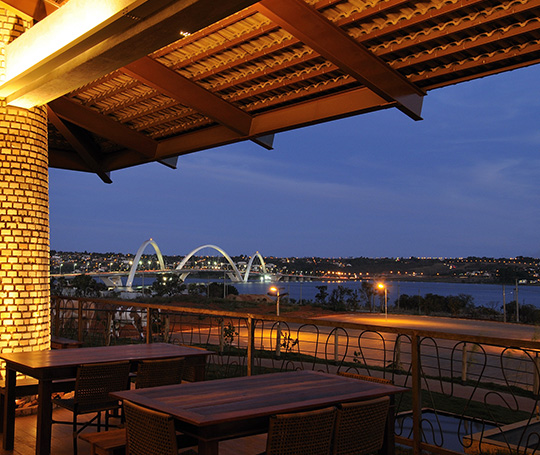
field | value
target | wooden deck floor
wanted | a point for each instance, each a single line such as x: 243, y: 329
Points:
x: 25, y: 439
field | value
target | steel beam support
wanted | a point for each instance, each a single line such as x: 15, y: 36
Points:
x: 317, y: 32
x: 84, y: 146
x: 103, y: 126
x: 308, y: 113
x: 188, y: 93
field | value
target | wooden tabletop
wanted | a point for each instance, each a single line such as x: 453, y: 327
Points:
x: 227, y: 400
x: 35, y: 361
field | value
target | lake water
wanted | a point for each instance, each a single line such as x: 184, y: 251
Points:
x: 483, y: 294
x: 490, y: 295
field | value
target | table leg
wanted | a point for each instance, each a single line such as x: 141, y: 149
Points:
x: 9, y: 410
x: 389, y: 443
x: 44, y: 417
x: 197, y: 364
x: 208, y: 447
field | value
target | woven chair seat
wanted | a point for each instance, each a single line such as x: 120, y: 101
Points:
x: 149, y: 432
x: 70, y: 404
x: 360, y: 426
x: 306, y: 433
x: 155, y: 373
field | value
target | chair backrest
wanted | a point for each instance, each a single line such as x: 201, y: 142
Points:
x: 364, y: 377
x: 360, y: 426
x: 154, y: 373
x: 149, y: 432
x: 307, y: 433
x: 96, y: 380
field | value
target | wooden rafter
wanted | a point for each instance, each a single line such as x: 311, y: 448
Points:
x: 313, y: 29
x: 466, y: 25
x: 245, y: 76
x: 188, y: 93
x: 103, y: 126
x: 469, y: 26
x: 480, y: 43
x: 81, y: 142
x: 473, y: 65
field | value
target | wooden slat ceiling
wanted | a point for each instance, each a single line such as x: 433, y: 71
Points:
x: 282, y: 64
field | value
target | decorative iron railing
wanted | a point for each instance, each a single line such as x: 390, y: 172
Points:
x: 467, y: 393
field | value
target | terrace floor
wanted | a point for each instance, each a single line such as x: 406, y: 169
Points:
x: 25, y: 439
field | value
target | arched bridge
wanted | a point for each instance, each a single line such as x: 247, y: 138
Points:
x: 233, y: 273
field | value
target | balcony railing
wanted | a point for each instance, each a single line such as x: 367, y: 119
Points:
x: 456, y: 381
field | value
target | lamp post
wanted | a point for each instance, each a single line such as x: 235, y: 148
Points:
x: 383, y: 286
x: 274, y: 290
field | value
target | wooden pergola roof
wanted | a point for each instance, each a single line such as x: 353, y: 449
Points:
x: 281, y: 64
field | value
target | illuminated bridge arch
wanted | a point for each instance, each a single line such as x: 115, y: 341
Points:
x: 131, y: 277
x: 237, y: 275
x: 250, y: 263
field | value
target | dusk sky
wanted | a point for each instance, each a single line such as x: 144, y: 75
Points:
x: 462, y: 182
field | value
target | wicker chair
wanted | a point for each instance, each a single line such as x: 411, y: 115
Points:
x: 154, y: 373
x: 360, y: 426
x: 307, y: 433
x: 92, y: 387
x: 149, y: 432
x: 364, y: 377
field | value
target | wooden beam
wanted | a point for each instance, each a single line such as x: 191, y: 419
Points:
x: 81, y: 142
x: 34, y: 9
x: 317, y: 32
x: 188, y: 93
x: 103, y: 126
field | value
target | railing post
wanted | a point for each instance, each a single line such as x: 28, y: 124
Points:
x: 110, y: 329
x: 57, y: 316
x: 536, y: 379
x: 79, y: 320
x: 336, y: 345
x: 148, y: 325
x: 397, y: 353
x: 416, y: 394
x: 221, y: 341
x: 250, y: 345
x: 278, y: 340
x: 167, y: 329
x: 464, y: 362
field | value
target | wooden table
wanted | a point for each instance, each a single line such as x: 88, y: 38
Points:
x: 48, y: 366
x: 216, y: 410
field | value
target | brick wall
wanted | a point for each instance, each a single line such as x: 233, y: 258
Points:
x: 24, y: 218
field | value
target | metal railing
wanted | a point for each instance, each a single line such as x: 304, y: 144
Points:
x: 456, y: 381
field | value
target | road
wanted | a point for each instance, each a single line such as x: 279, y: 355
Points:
x: 443, y: 325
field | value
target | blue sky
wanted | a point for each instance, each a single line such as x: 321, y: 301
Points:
x: 462, y: 182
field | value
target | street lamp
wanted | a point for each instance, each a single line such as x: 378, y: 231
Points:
x: 382, y: 286
x: 274, y: 290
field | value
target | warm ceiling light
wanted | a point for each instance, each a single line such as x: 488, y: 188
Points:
x: 84, y: 40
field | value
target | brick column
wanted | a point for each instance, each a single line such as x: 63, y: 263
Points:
x: 24, y: 217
